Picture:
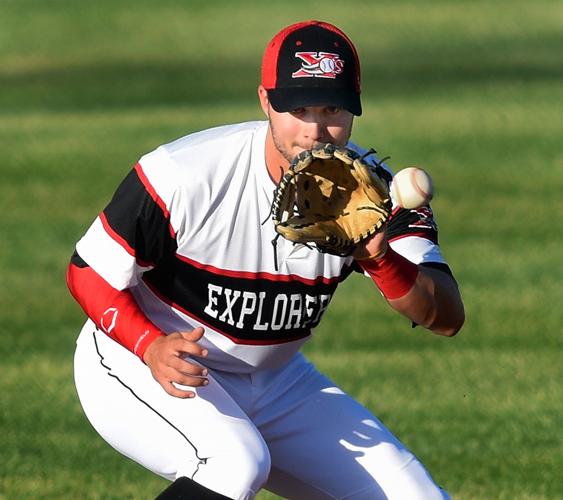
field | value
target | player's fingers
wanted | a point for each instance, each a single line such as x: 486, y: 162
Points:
x: 173, y: 390
x: 187, y: 368
x: 165, y: 377
x: 178, y: 370
x: 194, y: 335
x: 187, y: 343
x: 192, y: 349
x: 184, y: 373
x: 189, y: 380
x: 179, y: 385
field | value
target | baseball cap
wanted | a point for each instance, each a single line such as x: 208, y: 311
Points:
x: 312, y: 63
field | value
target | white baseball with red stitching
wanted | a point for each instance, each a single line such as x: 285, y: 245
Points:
x: 412, y: 188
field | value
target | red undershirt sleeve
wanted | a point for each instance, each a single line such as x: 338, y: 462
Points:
x: 393, y: 274
x: 113, y: 311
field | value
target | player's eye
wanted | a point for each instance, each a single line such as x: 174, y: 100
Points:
x: 332, y: 110
x: 298, y: 111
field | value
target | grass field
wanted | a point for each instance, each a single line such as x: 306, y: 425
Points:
x: 472, y: 90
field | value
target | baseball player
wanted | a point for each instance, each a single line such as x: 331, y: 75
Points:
x: 190, y: 362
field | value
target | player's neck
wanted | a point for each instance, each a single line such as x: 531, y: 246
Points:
x: 276, y: 163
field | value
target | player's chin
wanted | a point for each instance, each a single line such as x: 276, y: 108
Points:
x: 294, y: 152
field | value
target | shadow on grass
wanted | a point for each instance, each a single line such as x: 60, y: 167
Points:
x: 126, y: 84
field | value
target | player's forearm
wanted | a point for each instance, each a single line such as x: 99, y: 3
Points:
x: 114, y: 311
x: 433, y: 302
x: 427, y: 296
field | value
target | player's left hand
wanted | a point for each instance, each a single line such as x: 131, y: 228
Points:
x: 331, y: 198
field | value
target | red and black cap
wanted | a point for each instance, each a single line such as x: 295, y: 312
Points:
x: 312, y: 63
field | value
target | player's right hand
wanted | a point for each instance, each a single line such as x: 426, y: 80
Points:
x: 374, y: 247
x: 164, y: 358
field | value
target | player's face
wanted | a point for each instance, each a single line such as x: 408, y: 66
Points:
x: 306, y: 127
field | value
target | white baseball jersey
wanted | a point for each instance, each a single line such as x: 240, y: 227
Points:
x: 189, y: 232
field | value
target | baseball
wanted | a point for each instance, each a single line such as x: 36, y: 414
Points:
x: 326, y: 65
x: 412, y: 187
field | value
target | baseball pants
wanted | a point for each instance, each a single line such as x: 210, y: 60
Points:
x: 289, y: 430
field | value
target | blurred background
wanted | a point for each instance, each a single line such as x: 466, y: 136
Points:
x: 470, y: 90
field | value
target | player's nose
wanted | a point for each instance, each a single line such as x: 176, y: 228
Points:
x: 315, y: 131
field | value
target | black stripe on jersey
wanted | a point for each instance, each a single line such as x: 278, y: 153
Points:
x: 440, y: 266
x: 139, y: 221
x: 417, y: 222
x: 248, y: 310
x: 78, y: 261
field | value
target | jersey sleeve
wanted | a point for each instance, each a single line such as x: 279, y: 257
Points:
x: 133, y: 233
x: 414, y: 234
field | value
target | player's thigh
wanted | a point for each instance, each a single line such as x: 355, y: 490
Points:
x: 329, y: 446
x: 207, y: 438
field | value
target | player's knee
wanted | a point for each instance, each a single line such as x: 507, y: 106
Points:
x: 250, y: 467
x: 238, y: 471
x: 415, y: 482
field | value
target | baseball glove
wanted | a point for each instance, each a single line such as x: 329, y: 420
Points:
x: 332, y: 198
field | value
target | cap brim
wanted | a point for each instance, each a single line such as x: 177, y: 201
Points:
x: 285, y: 100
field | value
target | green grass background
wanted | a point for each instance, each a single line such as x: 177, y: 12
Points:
x: 472, y: 90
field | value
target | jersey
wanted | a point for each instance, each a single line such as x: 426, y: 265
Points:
x: 189, y: 232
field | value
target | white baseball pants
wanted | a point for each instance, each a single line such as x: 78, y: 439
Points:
x: 290, y: 430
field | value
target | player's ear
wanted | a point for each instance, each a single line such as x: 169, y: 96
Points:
x: 263, y: 97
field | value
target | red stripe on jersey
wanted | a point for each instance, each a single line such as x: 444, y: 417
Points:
x: 115, y: 312
x: 258, y: 275
x: 154, y: 195
x: 418, y: 235
x: 121, y: 241
x: 235, y: 340
x: 115, y: 236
